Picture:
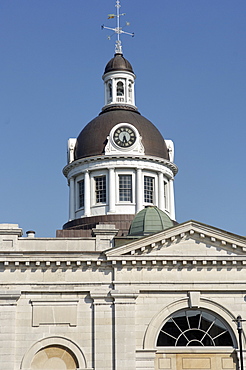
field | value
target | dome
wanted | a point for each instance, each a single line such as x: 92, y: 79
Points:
x: 118, y: 63
x: 93, y: 138
x: 149, y: 221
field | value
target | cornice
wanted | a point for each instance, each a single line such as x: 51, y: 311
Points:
x: 180, y: 262
x: 10, y: 229
x: 143, y: 261
x: 151, y: 251
x: 188, y: 230
x: 78, y: 162
x: 9, y: 297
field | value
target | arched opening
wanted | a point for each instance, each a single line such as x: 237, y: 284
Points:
x: 109, y: 92
x: 54, y: 353
x: 120, y: 88
x: 195, y: 339
x: 130, y: 92
x: 120, y: 91
x: 54, y: 358
x: 194, y: 328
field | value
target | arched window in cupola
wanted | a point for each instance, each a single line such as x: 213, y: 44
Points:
x: 130, y: 91
x: 120, y: 91
x: 109, y: 92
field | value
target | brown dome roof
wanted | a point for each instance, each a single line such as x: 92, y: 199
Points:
x: 118, y: 63
x: 93, y: 138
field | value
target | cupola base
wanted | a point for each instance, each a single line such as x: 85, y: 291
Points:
x: 82, y: 227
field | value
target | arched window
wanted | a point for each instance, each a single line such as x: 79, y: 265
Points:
x: 110, y: 90
x: 130, y: 91
x: 120, y: 88
x: 54, y: 358
x: 194, y: 328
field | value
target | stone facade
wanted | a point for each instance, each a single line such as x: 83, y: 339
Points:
x: 97, y: 297
x: 70, y: 303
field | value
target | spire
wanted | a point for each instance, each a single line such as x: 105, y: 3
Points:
x: 117, y: 30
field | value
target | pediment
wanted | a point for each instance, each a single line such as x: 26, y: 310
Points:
x: 185, y: 242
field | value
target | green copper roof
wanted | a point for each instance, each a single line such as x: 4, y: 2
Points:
x: 149, y: 221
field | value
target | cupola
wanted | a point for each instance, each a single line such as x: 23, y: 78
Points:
x: 149, y: 221
x: 120, y: 162
x: 119, y: 81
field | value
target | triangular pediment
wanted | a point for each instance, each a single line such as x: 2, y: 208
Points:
x: 187, y: 241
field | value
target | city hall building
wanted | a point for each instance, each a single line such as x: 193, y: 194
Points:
x: 122, y: 286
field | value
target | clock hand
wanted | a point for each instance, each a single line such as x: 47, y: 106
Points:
x: 124, y: 139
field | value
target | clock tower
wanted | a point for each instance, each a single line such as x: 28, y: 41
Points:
x: 120, y: 163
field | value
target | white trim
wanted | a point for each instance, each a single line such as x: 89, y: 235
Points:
x: 121, y: 160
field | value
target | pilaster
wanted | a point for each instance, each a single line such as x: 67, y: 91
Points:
x: 125, y: 326
x: 102, y: 331
x: 8, y: 302
x: 105, y: 234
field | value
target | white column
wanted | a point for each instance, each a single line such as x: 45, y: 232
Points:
x: 166, y: 195
x: 105, y: 94
x: 87, y: 194
x: 133, y: 93
x: 139, y: 190
x: 161, y: 199
x: 171, y: 199
x: 113, y: 90
x: 111, y: 190
x: 71, y: 199
x: 127, y: 91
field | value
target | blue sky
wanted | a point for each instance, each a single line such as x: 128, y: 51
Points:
x: 190, y: 59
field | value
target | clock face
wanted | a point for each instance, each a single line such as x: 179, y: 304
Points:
x: 124, y: 136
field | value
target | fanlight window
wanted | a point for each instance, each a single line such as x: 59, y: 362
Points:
x: 194, y: 328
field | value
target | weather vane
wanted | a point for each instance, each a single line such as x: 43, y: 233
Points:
x: 117, y: 30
